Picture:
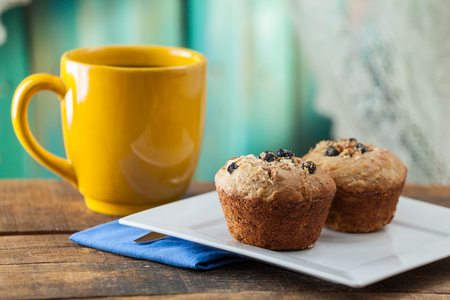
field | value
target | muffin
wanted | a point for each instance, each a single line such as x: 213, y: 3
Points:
x: 369, y: 182
x: 274, y: 201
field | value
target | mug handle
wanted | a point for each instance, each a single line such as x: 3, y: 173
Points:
x: 19, y: 112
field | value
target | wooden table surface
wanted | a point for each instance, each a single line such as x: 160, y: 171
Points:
x: 37, y: 260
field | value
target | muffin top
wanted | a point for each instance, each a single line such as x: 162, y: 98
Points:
x: 358, y: 167
x: 271, y: 176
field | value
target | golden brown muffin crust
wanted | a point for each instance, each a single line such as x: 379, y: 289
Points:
x: 281, y: 224
x: 350, y: 212
x: 278, y: 203
x: 357, y: 169
x: 284, y: 177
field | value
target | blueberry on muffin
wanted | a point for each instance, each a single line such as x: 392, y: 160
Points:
x: 275, y: 200
x: 369, y: 182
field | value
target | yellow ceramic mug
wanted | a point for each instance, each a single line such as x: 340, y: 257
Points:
x: 133, y: 119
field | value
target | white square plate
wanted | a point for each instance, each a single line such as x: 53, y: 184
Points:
x: 418, y: 235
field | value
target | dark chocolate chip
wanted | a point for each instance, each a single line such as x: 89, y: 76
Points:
x: 361, y: 147
x: 232, y: 167
x: 310, y: 166
x: 332, y: 151
x: 284, y: 153
x: 352, y: 139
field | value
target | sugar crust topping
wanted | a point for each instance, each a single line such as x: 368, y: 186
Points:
x: 373, y: 169
x: 267, y: 178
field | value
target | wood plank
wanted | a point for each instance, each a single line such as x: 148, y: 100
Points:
x: 50, y: 266
x: 49, y: 248
x: 132, y: 277
x: 44, y: 206
x: 71, y: 280
x: 37, y: 206
x: 112, y: 275
x: 26, y: 205
x: 436, y: 194
x: 26, y: 257
x: 289, y: 295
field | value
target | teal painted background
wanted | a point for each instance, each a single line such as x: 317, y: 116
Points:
x: 260, y: 91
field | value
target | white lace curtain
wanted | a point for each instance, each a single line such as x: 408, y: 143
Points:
x: 382, y: 69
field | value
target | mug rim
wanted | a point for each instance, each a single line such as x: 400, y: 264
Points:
x: 197, y: 57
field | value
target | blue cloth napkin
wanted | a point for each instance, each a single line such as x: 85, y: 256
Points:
x: 116, y: 238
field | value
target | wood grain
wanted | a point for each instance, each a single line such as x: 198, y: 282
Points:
x: 37, y: 261
x: 436, y: 194
x: 87, y: 272
x: 291, y: 296
x: 38, y: 206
